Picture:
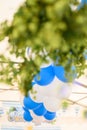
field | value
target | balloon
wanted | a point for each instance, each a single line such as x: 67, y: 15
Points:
x: 40, y: 110
x: 50, y: 86
x: 27, y: 116
x: 51, y: 103
x: 60, y: 73
x: 37, y: 96
x: 47, y: 64
x: 82, y: 3
x: 65, y: 91
x: 33, y: 83
x: 49, y: 90
x: 53, y: 88
x: 45, y: 76
x: 28, y: 53
x: 29, y: 103
x: 85, y: 54
x: 25, y: 109
x: 74, y: 73
x: 50, y: 115
x: 37, y: 120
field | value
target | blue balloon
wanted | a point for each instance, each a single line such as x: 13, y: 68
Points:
x: 25, y: 109
x: 82, y: 3
x: 40, y: 111
x: 74, y: 72
x: 60, y: 73
x: 85, y: 54
x: 30, y: 104
x: 50, y: 115
x: 45, y: 76
x: 33, y: 83
x: 27, y: 116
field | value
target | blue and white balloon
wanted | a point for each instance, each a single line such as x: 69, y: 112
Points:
x: 51, y: 86
x: 45, y: 76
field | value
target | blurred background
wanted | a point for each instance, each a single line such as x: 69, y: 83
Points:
x: 74, y: 116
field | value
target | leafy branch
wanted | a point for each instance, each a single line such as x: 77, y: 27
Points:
x: 49, y: 25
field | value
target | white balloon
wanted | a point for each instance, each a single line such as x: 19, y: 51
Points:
x: 57, y: 89
x: 65, y: 91
x: 37, y: 120
x: 49, y: 90
x: 38, y: 93
x: 38, y: 98
x: 29, y: 54
x: 53, y: 88
x: 51, y: 103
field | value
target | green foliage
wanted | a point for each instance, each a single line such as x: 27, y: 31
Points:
x: 49, y: 25
x: 11, y: 109
x: 65, y: 104
x: 85, y: 114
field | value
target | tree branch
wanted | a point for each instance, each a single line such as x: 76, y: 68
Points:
x: 13, y: 62
x: 75, y: 102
